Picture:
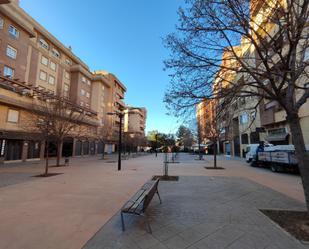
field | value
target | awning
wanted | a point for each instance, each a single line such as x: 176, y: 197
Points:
x: 276, y: 137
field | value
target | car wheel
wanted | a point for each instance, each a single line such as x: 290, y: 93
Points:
x: 253, y: 164
x: 274, y: 168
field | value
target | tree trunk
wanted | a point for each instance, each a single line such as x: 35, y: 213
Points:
x: 46, y: 160
x: 59, y: 152
x: 301, y: 154
x: 215, y: 155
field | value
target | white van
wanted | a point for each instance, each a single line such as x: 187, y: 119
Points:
x: 251, y: 151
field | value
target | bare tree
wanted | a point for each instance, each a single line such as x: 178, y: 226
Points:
x: 54, y: 120
x: 104, y: 135
x: 264, y: 42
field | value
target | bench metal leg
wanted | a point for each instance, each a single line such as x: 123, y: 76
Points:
x: 122, y: 222
x: 148, y: 223
x: 159, y: 197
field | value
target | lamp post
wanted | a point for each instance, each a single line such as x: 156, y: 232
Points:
x: 120, y: 115
x: 156, y: 144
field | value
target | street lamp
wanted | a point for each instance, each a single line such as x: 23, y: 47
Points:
x: 120, y: 115
x: 156, y: 136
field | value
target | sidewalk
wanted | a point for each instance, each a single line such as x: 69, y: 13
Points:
x: 201, y: 212
x: 65, y: 211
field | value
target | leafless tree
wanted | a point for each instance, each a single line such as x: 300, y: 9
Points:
x: 264, y: 42
x: 104, y: 135
x: 55, y: 120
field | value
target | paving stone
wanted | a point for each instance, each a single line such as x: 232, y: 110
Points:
x: 146, y: 241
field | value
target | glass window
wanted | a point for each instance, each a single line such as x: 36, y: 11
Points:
x: 83, y: 79
x: 11, y: 52
x: 68, y: 62
x: 1, y: 23
x: 8, y: 72
x: 244, y: 139
x: 44, y: 60
x: 13, y: 32
x: 55, y: 53
x: 67, y: 75
x: 53, y: 66
x: 43, y: 75
x: 43, y: 43
x: 66, y: 87
x: 306, y: 57
x: 88, y: 82
x: 244, y: 118
x: 13, y: 116
x: 87, y: 94
x: 51, y: 80
x: 81, y: 103
x: 82, y: 92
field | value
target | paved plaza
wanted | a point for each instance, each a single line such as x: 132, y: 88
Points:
x: 201, y: 212
x: 218, y: 209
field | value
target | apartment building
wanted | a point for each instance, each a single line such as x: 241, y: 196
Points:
x: 31, y: 58
x: 205, y: 116
x: 252, y: 120
x: 135, y: 120
x: 273, y: 117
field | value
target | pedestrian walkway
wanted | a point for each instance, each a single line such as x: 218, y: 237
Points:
x: 65, y: 211
x: 200, y: 212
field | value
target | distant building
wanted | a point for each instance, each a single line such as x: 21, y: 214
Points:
x: 135, y: 120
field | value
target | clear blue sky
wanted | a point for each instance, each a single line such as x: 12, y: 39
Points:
x: 121, y: 36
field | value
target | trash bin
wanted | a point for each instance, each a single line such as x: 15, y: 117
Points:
x: 66, y: 161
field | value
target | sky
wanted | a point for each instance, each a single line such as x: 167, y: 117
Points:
x: 120, y: 36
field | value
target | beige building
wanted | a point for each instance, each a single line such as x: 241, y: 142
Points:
x: 250, y: 121
x: 135, y: 120
x: 33, y: 60
x: 277, y: 131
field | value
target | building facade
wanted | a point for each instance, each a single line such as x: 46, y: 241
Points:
x: 253, y: 119
x: 33, y: 60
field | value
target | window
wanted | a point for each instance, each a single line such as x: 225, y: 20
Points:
x: 82, y: 92
x: 43, y: 43
x: 83, y: 79
x: 44, y: 60
x: 55, y: 53
x: 11, y: 52
x: 87, y: 94
x: 51, y: 80
x: 8, y: 72
x: 68, y: 62
x: 244, y: 139
x: 53, y: 66
x: 43, y: 75
x: 244, y: 118
x: 66, y: 75
x: 81, y: 103
x: 66, y: 87
x: 13, y: 116
x: 270, y: 104
x: 1, y: 23
x: 88, y: 82
x: 13, y: 32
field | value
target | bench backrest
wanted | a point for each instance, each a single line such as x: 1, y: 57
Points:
x: 150, y: 194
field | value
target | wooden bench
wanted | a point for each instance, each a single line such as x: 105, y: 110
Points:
x: 138, y: 204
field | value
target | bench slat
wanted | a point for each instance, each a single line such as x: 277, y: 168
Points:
x: 143, y: 196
